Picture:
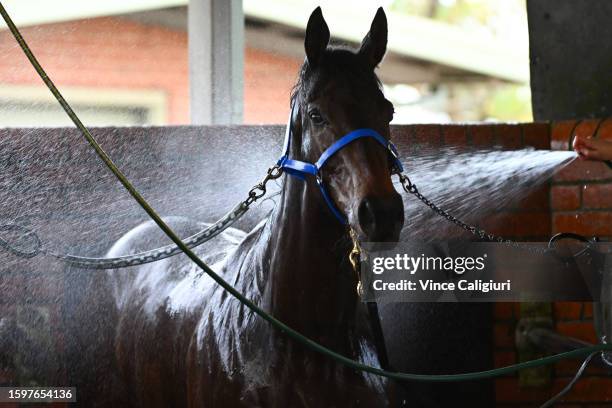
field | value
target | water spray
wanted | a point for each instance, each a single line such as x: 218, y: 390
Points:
x: 294, y: 335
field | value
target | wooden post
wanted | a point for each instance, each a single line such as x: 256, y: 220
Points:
x: 571, y: 58
x: 216, y: 53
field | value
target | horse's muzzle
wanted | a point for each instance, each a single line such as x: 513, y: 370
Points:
x: 381, y: 218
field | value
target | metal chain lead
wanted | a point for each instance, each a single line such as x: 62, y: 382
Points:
x: 259, y: 189
x: 411, y: 188
x: 141, y: 258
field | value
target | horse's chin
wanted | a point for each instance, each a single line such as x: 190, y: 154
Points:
x: 387, y: 241
x: 386, y: 237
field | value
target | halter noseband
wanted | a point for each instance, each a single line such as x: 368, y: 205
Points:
x: 301, y: 169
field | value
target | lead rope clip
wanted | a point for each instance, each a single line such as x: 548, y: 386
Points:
x: 355, y: 259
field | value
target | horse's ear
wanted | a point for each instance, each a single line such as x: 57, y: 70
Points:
x: 374, y: 44
x: 317, y: 37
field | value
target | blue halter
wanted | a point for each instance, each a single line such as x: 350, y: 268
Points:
x: 301, y: 169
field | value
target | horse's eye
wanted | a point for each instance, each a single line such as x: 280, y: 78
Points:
x: 316, y: 117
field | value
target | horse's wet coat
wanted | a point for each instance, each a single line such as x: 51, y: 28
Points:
x: 181, y: 340
x: 228, y: 353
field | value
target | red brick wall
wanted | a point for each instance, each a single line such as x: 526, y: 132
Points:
x: 581, y: 196
x: 126, y: 55
x: 528, y: 219
x: 268, y: 80
x: 581, y: 202
x: 579, y: 199
x: 104, y: 53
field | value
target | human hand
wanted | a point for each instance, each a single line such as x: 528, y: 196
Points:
x: 593, y: 149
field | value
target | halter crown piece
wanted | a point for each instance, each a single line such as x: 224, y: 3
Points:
x: 302, y: 169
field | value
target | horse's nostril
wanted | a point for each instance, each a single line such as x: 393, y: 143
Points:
x: 367, y: 216
x: 381, y: 219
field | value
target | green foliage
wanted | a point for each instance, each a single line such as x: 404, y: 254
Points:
x: 509, y: 103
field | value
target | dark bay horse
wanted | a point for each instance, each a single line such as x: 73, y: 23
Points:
x: 180, y: 340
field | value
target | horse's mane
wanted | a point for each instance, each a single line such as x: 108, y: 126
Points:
x: 336, y: 61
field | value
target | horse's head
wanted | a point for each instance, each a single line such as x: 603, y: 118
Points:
x: 337, y: 93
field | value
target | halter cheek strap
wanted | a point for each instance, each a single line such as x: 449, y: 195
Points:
x: 302, y: 169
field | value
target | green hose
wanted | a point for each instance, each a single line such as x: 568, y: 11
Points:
x: 271, y: 319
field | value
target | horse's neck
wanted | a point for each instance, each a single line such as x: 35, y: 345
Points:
x: 311, y: 285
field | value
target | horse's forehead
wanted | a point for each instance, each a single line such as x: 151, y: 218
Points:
x: 341, y: 90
